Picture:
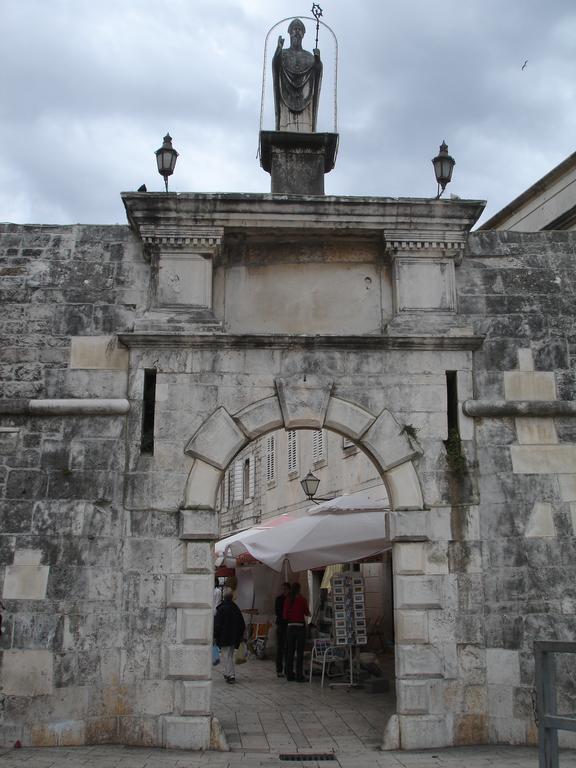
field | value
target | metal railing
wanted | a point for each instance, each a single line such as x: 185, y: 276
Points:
x: 549, y: 722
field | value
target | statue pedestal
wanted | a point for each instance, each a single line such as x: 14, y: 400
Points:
x: 297, y: 162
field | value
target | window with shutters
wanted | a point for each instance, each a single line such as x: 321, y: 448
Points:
x: 248, y: 484
x: 318, y: 447
x: 292, y: 453
x: 238, y: 484
x: 271, y: 459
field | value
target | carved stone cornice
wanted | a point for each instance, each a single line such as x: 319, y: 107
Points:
x: 160, y: 237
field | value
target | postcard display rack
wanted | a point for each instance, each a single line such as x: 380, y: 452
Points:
x: 349, y: 614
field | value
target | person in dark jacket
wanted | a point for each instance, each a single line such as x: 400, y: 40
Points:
x: 229, y: 627
x: 295, y: 612
x: 281, y: 628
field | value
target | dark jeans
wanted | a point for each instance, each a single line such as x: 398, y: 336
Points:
x: 295, y: 638
x: 280, y: 647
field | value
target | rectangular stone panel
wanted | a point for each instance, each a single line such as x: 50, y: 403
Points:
x: 195, y: 697
x: 27, y: 673
x: 195, y: 625
x: 411, y: 627
x: 190, y: 591
x: 424, y: 285
x: 187, y: 732
x: 25, y: 582
x: 418, y: 592
x: 188, y: 662
x: 409, y: 558
x: 535, y: 431
x: 529, y: 385
x: 423, y: 732
x: 413, y: 697
x: 198, y: 557
x: 199, y: 524
x: 418, y: 661
x: 184, y: 279
x: 543, y: 459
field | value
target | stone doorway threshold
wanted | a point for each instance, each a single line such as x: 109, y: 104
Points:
x: 264, y: 713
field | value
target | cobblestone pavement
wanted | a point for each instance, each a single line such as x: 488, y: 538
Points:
x: 128, y: 757
x: 262, y: 712
x: 264, y: 716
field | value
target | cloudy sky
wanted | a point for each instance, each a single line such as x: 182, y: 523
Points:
x: 89, y: 87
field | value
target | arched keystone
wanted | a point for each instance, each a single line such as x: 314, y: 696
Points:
x: 202, y: 485
x: 218, y: 440
x: 304, y: 401
x: 348, y: 419
x: 260, y: 417
x: 403, y: 487
x: 386, y: 443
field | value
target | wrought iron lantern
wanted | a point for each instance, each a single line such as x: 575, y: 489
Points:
x: 443, y: 167
x: 166, y: 159
x: 310, y: 485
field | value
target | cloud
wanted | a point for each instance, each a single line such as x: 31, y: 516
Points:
x: 93, y: 87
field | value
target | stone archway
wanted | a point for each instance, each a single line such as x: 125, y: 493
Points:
x: 302, y: 402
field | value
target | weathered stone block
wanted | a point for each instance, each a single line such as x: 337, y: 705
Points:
x: 218, y: 440
x: 260, y: 417
x: 411, y: 627
x: 202, y: 485
x: 409, y: 558
x: 502, y: 667
x: 196, y: 697
x: 500, y: 700
x: 413, y: 697
x: 71, y: 733
x: 190, y: 591
x: 386, y: 442
x: 154, y: 697
x: 27, y: 673
x: 186, y: 732
x: 347, y: 419
x: 25, y: 582
x: 195, y: 625
x: 407, y: 526
x: 567, y: 487
x: 98, y: 353
x: 423, y: 731
x: 304, y: 401
x: 418, y: 592
x: 198, y: 524
x: 403, y: 487
x: 529, y: 385
x: 543, y: 459
x: 536, y: 431
x: 541, y: 521
x: 188, y: 662
x: 149, y: 555
x: 418, y: 661
x: 198, y: 557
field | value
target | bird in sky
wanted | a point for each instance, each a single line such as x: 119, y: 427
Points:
x: 524, y: 65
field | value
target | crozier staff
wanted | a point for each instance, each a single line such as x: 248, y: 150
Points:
x: 297, y: 76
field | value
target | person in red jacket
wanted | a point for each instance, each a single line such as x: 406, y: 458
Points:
x: 295, y: 612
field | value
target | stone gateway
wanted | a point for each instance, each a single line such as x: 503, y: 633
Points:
x: 139, y: 360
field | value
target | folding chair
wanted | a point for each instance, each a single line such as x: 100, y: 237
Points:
x: 323, y: 654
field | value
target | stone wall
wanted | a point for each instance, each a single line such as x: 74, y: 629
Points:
x: 106, y: 553
x: 519, y: 291
x: 76, y: 602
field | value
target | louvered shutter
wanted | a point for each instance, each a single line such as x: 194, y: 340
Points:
x: 318, y: 445
x: 271, y: 458
x: 238, y: 485
x: 292, y: 451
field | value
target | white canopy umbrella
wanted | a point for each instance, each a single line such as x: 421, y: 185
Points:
x: 338, y: 531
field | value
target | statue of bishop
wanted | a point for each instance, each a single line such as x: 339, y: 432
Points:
x: 297, y: 76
